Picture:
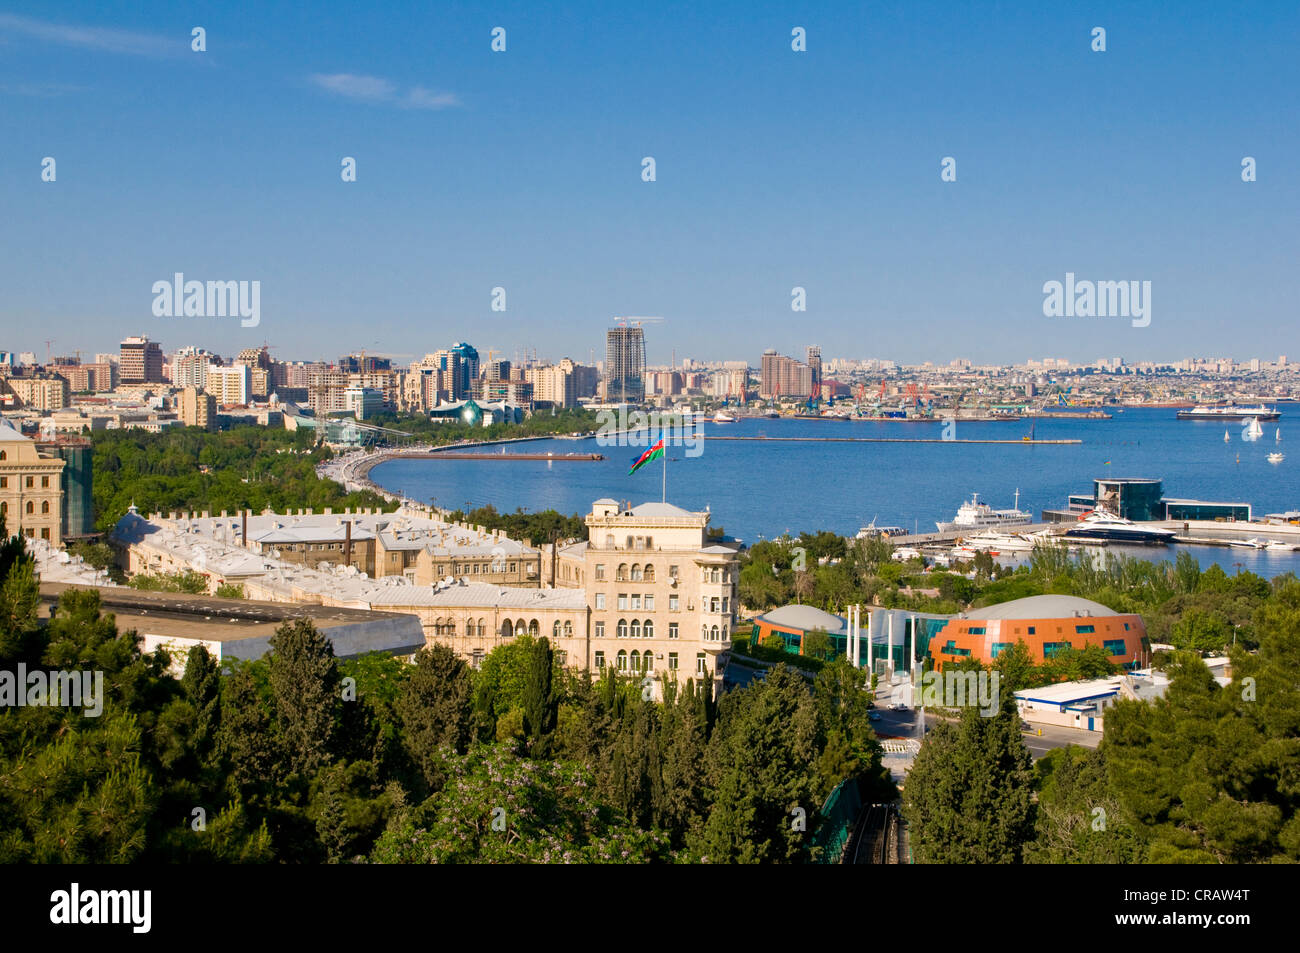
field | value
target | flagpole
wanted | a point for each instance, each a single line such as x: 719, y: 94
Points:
x: 664, y: 498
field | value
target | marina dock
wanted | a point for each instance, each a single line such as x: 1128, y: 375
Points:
x: 1018, y: 443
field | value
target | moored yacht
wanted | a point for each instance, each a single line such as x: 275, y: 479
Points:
x: 1103, y: 525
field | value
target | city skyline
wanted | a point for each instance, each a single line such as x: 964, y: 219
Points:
x: 522, y: 170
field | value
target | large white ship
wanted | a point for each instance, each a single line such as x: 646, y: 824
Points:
x: 976, y: 515
x: 1233, y: 412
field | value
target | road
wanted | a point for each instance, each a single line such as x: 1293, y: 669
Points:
x: 904, y: 724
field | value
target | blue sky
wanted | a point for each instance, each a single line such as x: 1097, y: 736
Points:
x: 522, y: 170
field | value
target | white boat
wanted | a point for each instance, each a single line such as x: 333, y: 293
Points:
x: 871, y: 531
x: 1277, y: 435
x: 1276, y: 457
x: 1252, y: 543
x: 1278, y: 546
x: 977, y: 515
x: 1233, y: 412
x: 1226, y: 438
x: 1002, y: 542
x: 1253, y: 430
x: 722, y: 417
x: 904, y: 553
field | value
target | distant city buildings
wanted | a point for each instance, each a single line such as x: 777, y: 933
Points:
x: 625, y: 364
x: 782, y: 376
x: 141, y: 361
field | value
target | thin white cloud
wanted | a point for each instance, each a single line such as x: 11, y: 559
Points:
x: 105, y: 39
x: 353, y: 86
x: 376, y: 89
x: 421, y: 98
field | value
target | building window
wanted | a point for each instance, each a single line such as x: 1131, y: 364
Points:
x: 622, y: 602
x: 568, y: 628
x: 1031, y: 630
x: 649, y: 602
x: 4, y: 483
x: 600, y: 572
x: 30, y: 483
x: 600, y: 660
x: 976, y: 630
x: 1052, y: 648
x: 648, y: 661
x: 999, y: 647
x: 672, y: 661
x: 45, y: 506
x: 636, y: 601
x: 672, y: 630
x: 636, y: 628
x: 1114, y: 647
x: 699, y: 663
x: 648, y: 629
x: 649, y: 572
x: 621, y: 574
x: 31, y: 507
x: 1085, y: 629
x: 672, y: 572
x: 622, y: 660
x: 609, y: 541
x: 673, y: 603
x: 713, y: 632
x: 45, y: 532
x: 562, y: 657
x: 622, y: 628
x: 600, y: 630
x: 600, y: 600
x: 636, y: 572
x: 555, y: 629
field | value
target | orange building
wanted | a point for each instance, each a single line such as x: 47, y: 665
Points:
x: 1047, y: 625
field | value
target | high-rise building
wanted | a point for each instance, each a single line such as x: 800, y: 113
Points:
x: 815, y: 365
x: 141, y: 361
x: 625, y: 364
x: 784, y: 377
x: 468, y: 365
x: 230, y: 385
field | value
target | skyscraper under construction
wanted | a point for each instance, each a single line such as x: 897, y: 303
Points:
x: 625, y: 364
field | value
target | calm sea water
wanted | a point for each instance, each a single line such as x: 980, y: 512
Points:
x: 759, y: 489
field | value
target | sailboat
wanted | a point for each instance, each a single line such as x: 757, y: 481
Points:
x: 1253, y: 430
x: 1277, y: 436
x: 1226, y: 438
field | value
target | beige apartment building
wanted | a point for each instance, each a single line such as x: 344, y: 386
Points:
x: 662, y: 593
x: 31, y: 495
x: 47, y: 392
x: 197, y: 408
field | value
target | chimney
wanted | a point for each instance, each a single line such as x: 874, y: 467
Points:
x: 347, y: 543
x: 244, y: 532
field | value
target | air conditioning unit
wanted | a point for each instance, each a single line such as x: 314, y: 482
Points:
x: 672, y: 583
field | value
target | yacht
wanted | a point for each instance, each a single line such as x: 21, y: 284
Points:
x: 722, y: 417
x: 1231, y: 412
x: 1277, y: 545
x: 1002, y: 542
x: 1253, y: 430
x: 1276, y: 457
x: 1253, y: 543
x: 977, y: 515
x: 1104, y: 525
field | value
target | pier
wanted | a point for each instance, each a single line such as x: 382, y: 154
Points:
x: 464, y: 455
x: 1019, y: 443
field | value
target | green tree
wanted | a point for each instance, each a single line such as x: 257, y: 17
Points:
x: 968, y: 795
x: 435, y: 711
x: 304, y: 682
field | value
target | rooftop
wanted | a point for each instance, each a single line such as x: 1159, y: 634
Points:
x: 1041, y: 607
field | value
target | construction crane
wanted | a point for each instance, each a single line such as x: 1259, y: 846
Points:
x: 636, y: 321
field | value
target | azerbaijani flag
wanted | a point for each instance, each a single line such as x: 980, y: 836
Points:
x: 653, y: 453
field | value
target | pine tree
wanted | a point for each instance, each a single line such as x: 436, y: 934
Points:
x: 305, y: 691
x: 968, y: 795
x: 434, y: 711
x: 540, y: 702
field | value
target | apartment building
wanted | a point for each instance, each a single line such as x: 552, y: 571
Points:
x: 662, y: 593
x: 140, y: 361
x: 45, y: 392
x: 197, y: 408
x: 230, y: 385
x: 31, y: 493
